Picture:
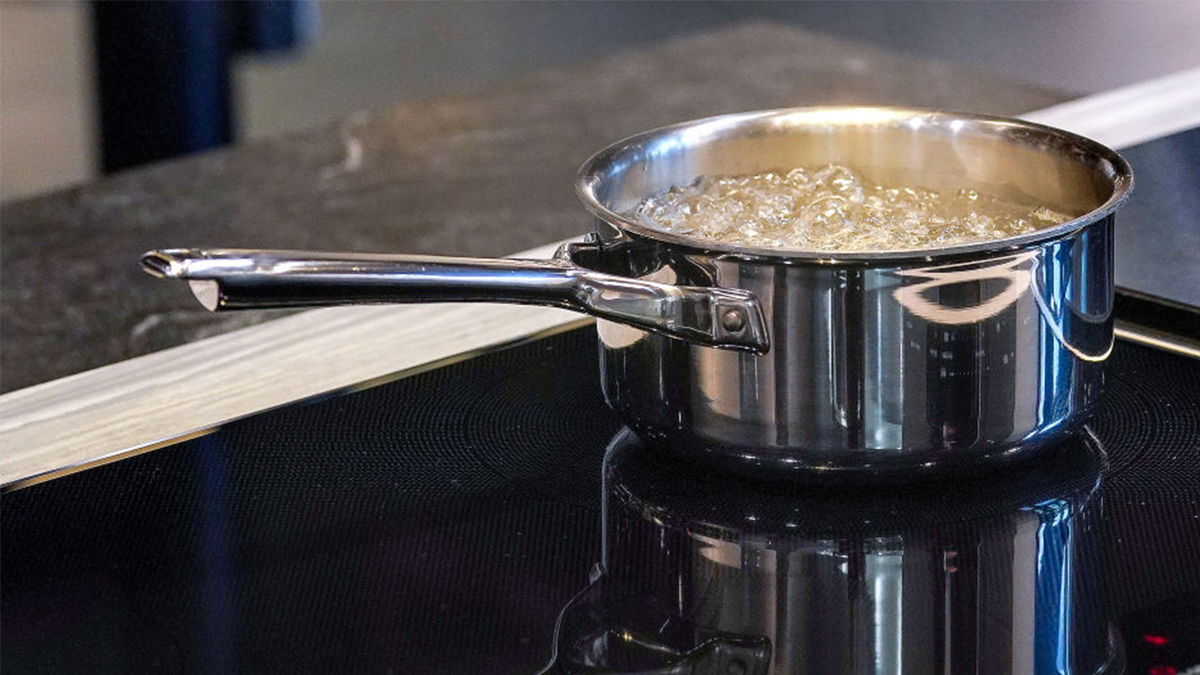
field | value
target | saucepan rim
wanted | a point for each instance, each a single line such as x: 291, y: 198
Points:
x: 592, y: 171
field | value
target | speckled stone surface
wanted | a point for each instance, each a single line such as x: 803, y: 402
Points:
x: 482, y: 174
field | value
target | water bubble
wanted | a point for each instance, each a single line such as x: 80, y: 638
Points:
x: 833, y: 208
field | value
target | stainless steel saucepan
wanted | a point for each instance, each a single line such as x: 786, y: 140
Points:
x: 869, y: 364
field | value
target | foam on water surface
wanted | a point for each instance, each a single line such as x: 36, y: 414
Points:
x: 833, y: 208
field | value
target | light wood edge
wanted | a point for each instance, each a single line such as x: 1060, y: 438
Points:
x: 146, y: 402
x: 1131, y: 115
x: 127, y: 407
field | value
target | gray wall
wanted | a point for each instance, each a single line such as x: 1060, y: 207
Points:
x: 371, y: 54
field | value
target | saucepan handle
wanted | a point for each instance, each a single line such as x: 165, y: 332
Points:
x: 224, y: 279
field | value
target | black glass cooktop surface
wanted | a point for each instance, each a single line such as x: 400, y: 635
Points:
x: 441, y: 523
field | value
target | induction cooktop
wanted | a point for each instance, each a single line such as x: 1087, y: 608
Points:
x: 491, y: 515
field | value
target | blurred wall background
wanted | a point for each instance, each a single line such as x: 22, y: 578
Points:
x: 368, y: 55
x: 46, y: 116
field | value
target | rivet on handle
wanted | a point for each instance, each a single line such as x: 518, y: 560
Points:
x: 733, y: 321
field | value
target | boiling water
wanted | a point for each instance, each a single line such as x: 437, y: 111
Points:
x: 833, y: 208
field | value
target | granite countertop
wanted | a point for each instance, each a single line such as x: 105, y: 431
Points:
x: 482, y: 174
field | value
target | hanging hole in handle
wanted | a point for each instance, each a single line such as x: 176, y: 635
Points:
x: 207, y: 291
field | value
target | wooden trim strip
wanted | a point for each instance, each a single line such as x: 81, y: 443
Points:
x: 1131, y: 115
x: 114, y: 410
x: 100, y: 460
x: 130, y: 407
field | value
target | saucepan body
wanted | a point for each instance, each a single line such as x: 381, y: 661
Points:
x: 797, y: 362
x: 879, y: 361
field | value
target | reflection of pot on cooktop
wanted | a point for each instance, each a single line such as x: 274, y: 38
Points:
x: 706, y: 574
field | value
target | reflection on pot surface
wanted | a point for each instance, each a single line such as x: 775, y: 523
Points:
x: 707, y: 574
x: 882, y: 371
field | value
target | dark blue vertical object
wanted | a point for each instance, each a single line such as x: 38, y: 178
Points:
x: 163, y: 71
x: 273, y: 25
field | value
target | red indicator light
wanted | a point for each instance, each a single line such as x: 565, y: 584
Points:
x: 1157, y: 640
x: 1162, y: 670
